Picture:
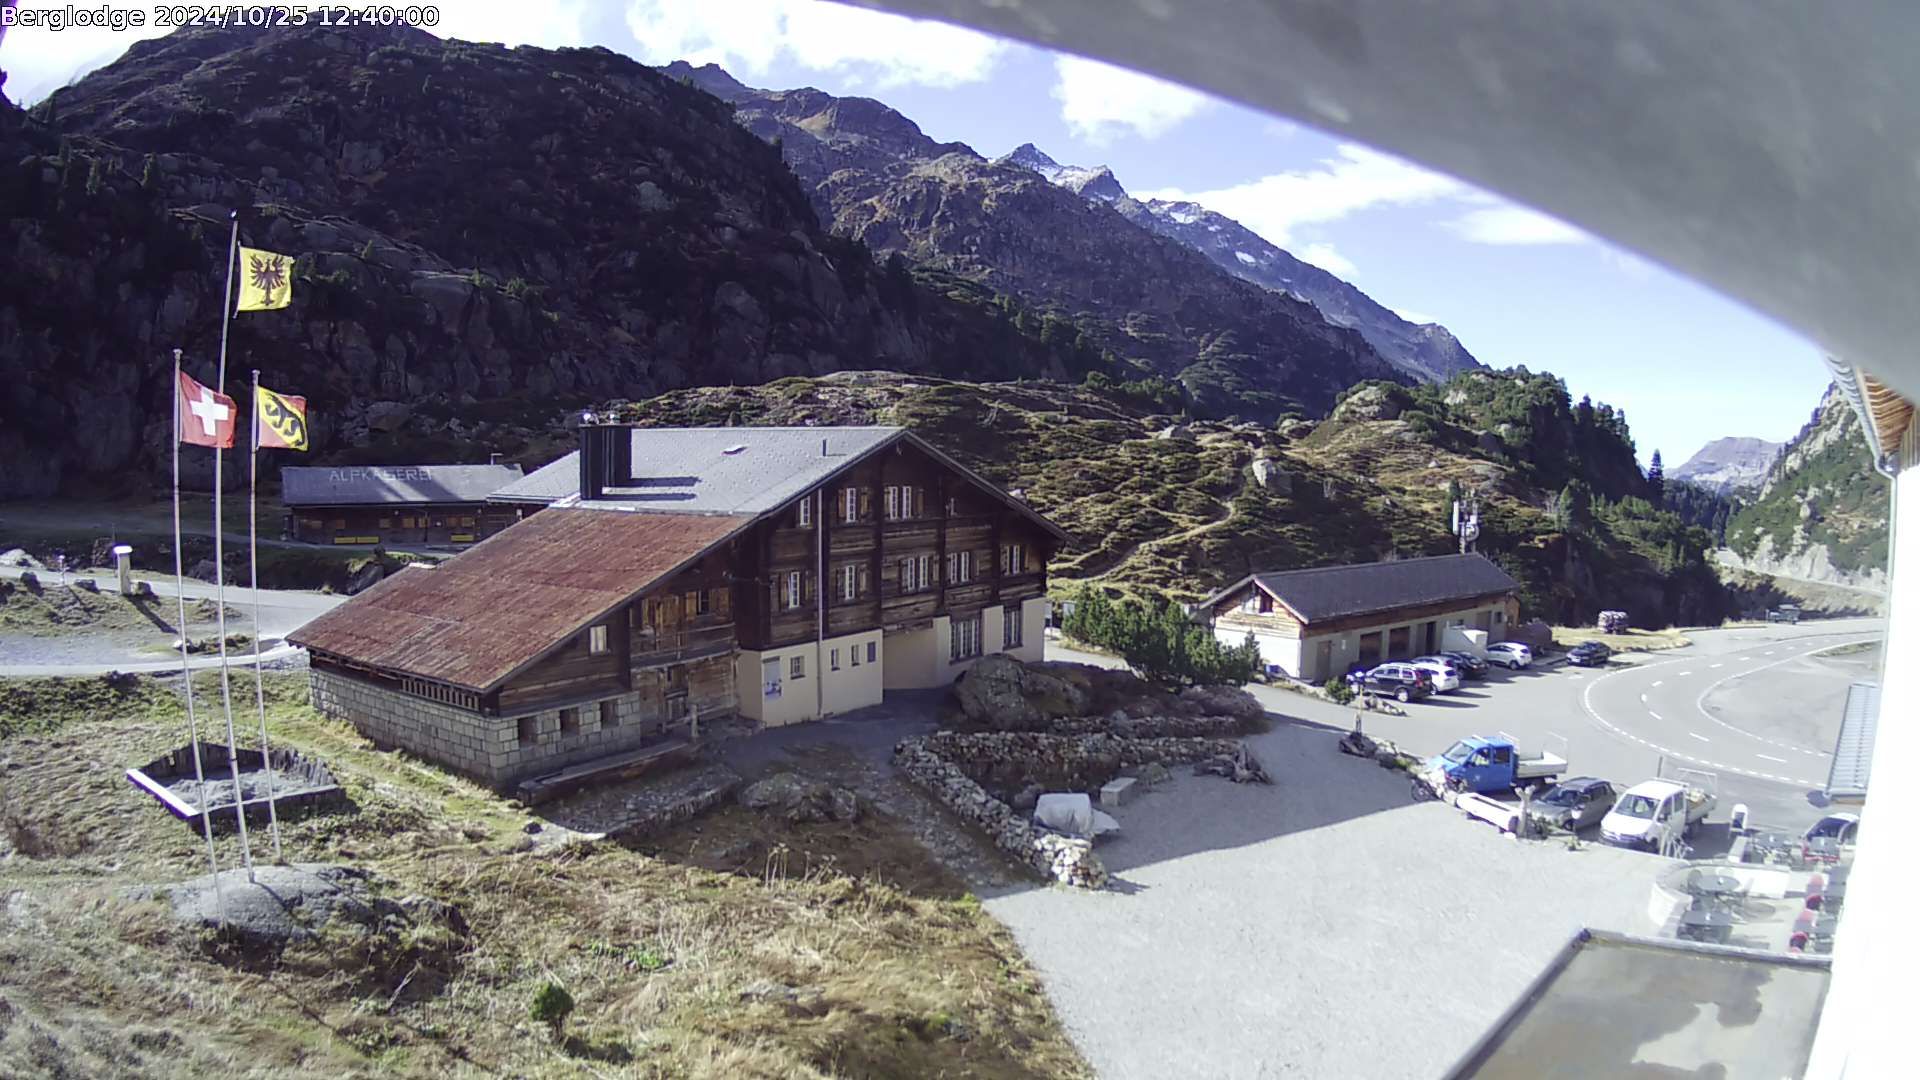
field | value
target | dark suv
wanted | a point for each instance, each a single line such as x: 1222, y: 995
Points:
x: 1403, y: 681
x: 1589, y: 654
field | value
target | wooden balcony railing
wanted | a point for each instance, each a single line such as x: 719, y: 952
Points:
x: 652, y: 648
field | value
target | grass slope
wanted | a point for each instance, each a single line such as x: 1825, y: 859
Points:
x: 95, y: 982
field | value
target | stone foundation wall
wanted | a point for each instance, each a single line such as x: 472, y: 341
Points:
x: 488, y: 748
x: 946, y: 764
x: 1150, y: 727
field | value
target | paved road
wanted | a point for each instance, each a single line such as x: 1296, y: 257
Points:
x: 1750, y: 704
x: 281, y: 611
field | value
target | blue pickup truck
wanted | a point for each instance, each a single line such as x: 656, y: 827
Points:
x: 1483, y: 764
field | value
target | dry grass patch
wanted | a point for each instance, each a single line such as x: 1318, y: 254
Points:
x: 852, y: 960
x: 1634, y: 640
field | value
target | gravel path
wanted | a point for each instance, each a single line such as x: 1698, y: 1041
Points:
x: 1324, y: 927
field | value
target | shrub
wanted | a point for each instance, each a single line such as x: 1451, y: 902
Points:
x: 1160, y: 641
x: 551, y: 1006
x: 1338, y: 689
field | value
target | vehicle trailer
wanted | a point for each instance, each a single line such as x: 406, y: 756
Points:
x: 1485, y: 764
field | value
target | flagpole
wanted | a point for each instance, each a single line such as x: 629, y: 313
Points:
x: 219, y: 559
x: 253, y: 560
x: 186, y: 671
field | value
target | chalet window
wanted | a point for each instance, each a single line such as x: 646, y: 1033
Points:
x: 1010, y: 629
x: 529, y: 730
x: 609, y: 713
x: 797, y: 667
x: 854, y: 655
x: 337, y: 524
x: 850, y: 505
x: 959, y: 567
x: 569, y: 720
x: 916, y: 573
x: 677, y: 707
x: 893, y: 502
x: 596, y: 640
x: 965, y: 638
x: 805, y: 519
x: 1252, y: 603
x: 1013, y: 559
x: 849, y: 583
x: 793, y: 590
x: 872, y: 648
x: 834, y: 659
x: 386, y: 523
x: 953, y: 506
x: 770, y: 677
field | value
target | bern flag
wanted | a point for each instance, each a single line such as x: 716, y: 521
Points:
x: 206, y: 417
x: 282, y: 420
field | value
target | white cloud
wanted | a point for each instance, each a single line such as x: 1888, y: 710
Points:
x: 39, y: 61
x: 1100, y: 102
x: 1514, y: 225
x: 1323, y: 256
x: 1354, y: 179
x: 748, y: 36
x: 558, y: 22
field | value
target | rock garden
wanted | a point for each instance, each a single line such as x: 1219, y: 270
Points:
x: 1023, y: 730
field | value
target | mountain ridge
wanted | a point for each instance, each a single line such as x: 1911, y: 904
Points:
x: 1729, y: 465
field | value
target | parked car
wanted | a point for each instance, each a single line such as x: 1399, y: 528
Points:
x: 1446, y: 673
x: 1575, y: 804
x: 1510, y: 654
x: 1828, y: 838
x: 1471, y: 666
x: 1655, y: 815
x: 1356, y: 675
x: 1403, y: 681
x: 1590, y: 654
x: 1786, y: 613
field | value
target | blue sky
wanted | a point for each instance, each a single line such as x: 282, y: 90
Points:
x: 1516, y: 287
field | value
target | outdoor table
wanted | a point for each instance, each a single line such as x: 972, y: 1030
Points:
x: 1717, y: 886
x: 1708, y: 925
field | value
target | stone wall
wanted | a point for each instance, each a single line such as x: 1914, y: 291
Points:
x: 947, y: 763
x: 490, y: 749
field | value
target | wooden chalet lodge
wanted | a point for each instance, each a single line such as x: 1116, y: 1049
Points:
x: 421, y: 505
x: 680, y: 575
x: 1314, y: 624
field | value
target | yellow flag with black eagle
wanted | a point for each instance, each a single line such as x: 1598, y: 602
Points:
x: 280, y: 420
x: 266, y: 280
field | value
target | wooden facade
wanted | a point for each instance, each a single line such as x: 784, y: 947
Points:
x: 400, y: 524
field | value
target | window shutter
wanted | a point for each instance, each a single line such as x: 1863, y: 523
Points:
x: 865, y: 585
x: 723, y: 601
x: 866, y: 504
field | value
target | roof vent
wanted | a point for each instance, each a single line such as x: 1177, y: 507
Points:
x: 735, y: 449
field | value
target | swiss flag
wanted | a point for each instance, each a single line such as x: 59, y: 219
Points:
x: 206, y: 418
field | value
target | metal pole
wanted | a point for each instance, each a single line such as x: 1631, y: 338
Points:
x: 219, y: 560
x: 820, y: 605
x: 253, y: 561
x: 186, y: 672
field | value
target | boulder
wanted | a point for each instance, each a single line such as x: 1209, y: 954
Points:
x: 1376, y: 402
x: 19, y: 557
x: 799, y: 799
x: 388, y: 415
x: 1004, y: 694
x: 1231, y: 701
x: 1268, y: 474
x: 796, y: 1000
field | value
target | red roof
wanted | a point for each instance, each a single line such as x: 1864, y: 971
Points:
x: 480, y: 617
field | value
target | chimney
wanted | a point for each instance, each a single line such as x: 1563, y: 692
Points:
x: 606, y: 456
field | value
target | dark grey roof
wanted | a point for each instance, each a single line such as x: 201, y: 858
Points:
x: 730, y: 470
x: 1335, y: 592
x: 1853, y: 752
x: 353, y: 485
x: 722, y: 470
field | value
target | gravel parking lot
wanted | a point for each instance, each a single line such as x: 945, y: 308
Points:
x: 1322, y: 927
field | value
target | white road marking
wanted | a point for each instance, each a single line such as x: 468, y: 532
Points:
x: 1712, y: 666
x: 1586, y: 704
x: 1744, y: 659
x: 1643, y: 699
x: 1655, y: 715
x: 1700, y: 703
x: 1684, y: 674
x: 1657, y: 682
x: 1770, y: 757
x: 1702, y: 738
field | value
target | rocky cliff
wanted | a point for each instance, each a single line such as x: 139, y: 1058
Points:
x: 492, y: 235
x: 1151, y: 301
x: 1821, y: 513
x: 1427, y: 351
x: 1729, y: 466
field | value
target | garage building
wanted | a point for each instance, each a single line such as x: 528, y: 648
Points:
x: 420, y: 505
x: 1315, y: 624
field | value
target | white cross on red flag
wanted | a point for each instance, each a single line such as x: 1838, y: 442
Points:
x: 206, y: 417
